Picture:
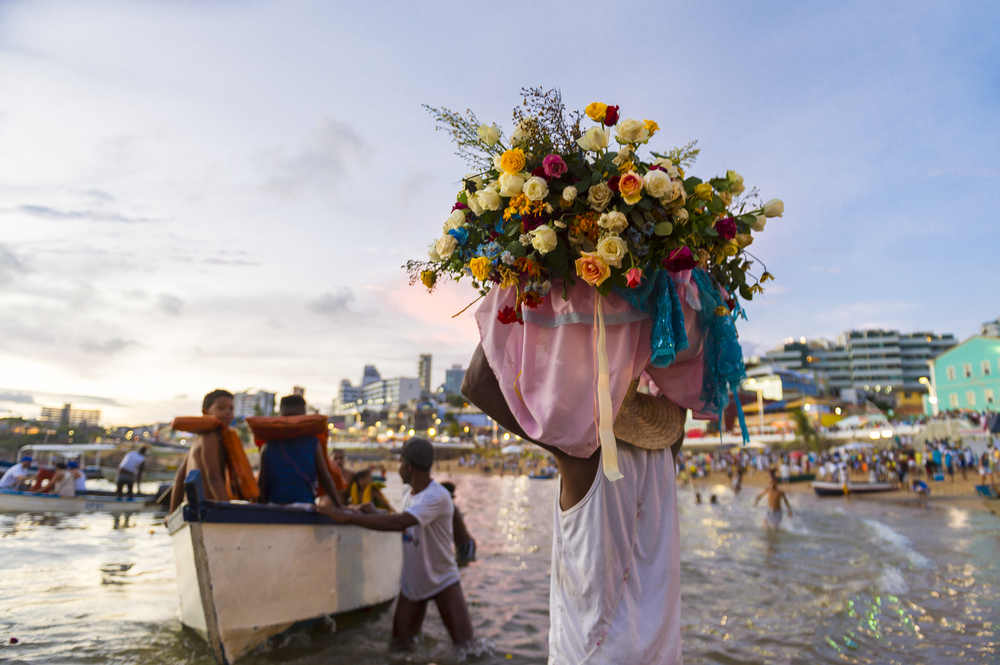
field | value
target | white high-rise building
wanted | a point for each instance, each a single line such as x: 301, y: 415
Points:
x: 247, y: 403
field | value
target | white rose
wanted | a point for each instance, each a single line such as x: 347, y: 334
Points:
x: 630, y: 131
x: 496, y: 163
x: 656, y: 183
x: 569, y: 194
x: 774, y: 208
x: 488, y: 134
x: 433, y: 255
x: 510, y: 184
x: 664, y: 162
x: 474, y: 178
x: 681, y: 217
x: 758, y: 223
x: 727, y: 198
x: 737, y: 187
x: 445, y: 246
x: 455, y: 220
x: 613, y: 221
x: 595, y: 139
x: 544, y: 239
x: 521, y: 132
x: 612, y: 249
x: 488, y: 198
x: 675, y: 190
x: 599, y: 196
x: 474, y: 205
x: 536, y: 188
x: 624, y: 155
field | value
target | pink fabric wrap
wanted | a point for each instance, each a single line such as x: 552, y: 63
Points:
x: 547, y: 368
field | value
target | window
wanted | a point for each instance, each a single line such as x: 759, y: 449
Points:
x: 967, y: 370
x: 985, y: 365
x: 970, y: 398
x: 953, y: 399
x: 951, y: 373
x: 988, y: 394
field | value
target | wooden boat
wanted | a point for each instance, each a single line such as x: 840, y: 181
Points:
x: 801, y: 477
x: 837, y: 489
x: 12, y: 501
x: 247, y: 572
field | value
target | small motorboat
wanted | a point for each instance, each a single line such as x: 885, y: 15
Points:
x: 247, y: 572
x: 14, y: 501
x: 837, y: 489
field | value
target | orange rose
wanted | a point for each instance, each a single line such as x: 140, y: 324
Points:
x: 630, y: 187
x: 592, y: 269
x: 512, y: 161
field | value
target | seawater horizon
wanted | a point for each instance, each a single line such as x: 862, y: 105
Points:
x: 861, y: 582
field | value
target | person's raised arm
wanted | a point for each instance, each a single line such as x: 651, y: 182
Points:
x: 760, y: 496
x: 323, y: 473
x: 376, y: 522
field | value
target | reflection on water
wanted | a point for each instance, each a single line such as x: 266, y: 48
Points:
x: 859, y: 582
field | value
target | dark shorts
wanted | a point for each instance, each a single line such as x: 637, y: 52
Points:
x: 126, y: 477
x: 466, y: 551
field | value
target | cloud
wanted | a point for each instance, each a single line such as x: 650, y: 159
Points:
x: 45, y: 212
x: 108, y: 347
x: 170, y: 304
x: 333, y: 304
x: 332, y: 151
x: 16, y: 396
x: 10, y: 265
x: 230, y: 262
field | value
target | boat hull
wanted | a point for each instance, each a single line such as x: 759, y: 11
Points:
x: 246, y: 573
x: 837, y: 489
x: 27, y: 502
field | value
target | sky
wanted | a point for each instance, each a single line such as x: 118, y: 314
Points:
x: 221, y: 194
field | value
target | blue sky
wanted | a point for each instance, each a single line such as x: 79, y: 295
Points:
x: 200, y: 194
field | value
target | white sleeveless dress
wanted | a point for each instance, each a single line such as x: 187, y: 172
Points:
x: 65, y: 486
x: 616, y: 596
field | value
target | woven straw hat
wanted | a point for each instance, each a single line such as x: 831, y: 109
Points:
x: 648, y: 422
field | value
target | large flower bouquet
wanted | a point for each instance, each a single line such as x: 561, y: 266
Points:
x: 557, y: 202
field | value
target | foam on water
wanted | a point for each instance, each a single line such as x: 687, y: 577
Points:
x: 891, y: 580
x: 898, y: 542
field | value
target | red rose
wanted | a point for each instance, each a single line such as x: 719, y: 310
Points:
x: 680, y: 259
x: 613, y: 182
x: 539, y: 172
x: 726, y: 228
x: 611, y: 116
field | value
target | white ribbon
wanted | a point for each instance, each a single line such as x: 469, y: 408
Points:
x: 606, y: 422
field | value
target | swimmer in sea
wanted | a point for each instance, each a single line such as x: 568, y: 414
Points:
x: 774, y: 496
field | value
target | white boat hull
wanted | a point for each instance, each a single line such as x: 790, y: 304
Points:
x: 29, y: 502
x: 241, y: 583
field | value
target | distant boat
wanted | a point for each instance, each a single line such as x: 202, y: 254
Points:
x: 837, y: 489
x: 12, y: 501
x: 801, y: 477
x: 246, y: 572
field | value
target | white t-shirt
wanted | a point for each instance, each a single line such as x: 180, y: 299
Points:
x: 428, y: 560
x: 13, y: 476
x: 131, y: 462
x: 615, y: 594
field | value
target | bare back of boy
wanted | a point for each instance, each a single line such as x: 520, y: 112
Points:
x: 207, y: 455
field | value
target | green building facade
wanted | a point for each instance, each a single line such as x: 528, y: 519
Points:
x: 966, y: 376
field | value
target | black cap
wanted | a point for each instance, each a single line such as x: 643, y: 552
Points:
x: 420, y: 452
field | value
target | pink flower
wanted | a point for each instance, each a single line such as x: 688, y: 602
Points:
x: 634, y: 277
x: 554, y: 166
x: 726, y: 228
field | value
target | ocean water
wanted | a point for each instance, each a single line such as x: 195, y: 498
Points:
x: 841, y: 582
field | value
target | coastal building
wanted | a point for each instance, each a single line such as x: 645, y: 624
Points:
x: 966, y: 376
x: 349, y: 394
x: 370, y: 375
x: 391, y: 392
x: 990, y: 328
x: 247, y: 403
x: 66, y: 415
x: 424, y: 371
x: 794, y: 385
x: 453, y: 379
x: 865, y: 363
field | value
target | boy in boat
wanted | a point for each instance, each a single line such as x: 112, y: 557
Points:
x: 207, y: 453
x: 18, y: 476
x: 774, y: 497
x: 429, y: 568
x: 290, y: 468
x: 130, y: 471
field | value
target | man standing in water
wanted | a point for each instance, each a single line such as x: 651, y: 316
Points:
x: 774, y: 497
x: 429, y: 568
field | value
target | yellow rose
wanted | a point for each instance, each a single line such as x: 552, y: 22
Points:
x: 428, y: 278
x: 703, y: 191
x: 512, y: 161
x: 630, y: 186
x: 592, y: 269
x: 650, y: 126
x: 596, y: 110
x: 481, y: 267
x: 731, y: 248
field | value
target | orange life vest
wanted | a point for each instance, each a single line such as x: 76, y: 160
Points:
x: 240, y: 481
